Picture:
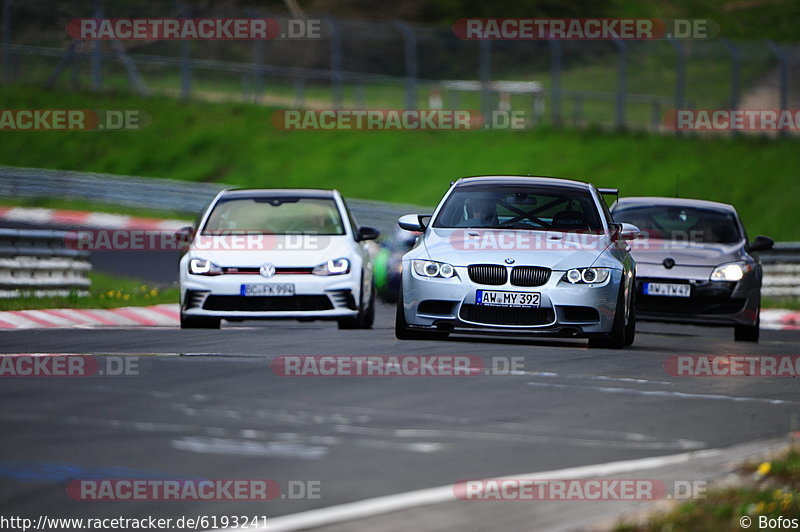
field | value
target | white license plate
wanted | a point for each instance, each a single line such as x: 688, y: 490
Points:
x: 275, y: 289
x: 496, y: 298
x: 667, y: 289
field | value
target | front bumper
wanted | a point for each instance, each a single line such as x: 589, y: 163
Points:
x: 565, y: 309
x: 722, y: 303
x: 316, y: 297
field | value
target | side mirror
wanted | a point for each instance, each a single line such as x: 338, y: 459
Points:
x: 367, y: 233
x: 629, y: 232
x: 414, y: 222
x: 185, y: 234
x: 624, y: 231
x: 762, y: 243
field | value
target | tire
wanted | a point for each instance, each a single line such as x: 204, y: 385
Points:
x: 630, y: 329
x: 401, y: 330
x: 365, y: 317
x: 616, y: 338
x: 747, y: 333
x: 199, y: 322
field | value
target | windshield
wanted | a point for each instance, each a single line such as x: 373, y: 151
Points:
x: 685, y: 224
x: 520, y: 207
x: 275, y: 215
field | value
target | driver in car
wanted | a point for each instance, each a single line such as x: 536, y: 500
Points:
x: 482, y: 213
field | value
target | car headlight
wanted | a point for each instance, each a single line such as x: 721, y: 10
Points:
x: 430, y: 268
x: 732, y: 271
x: 586, y: 275
x: 203, y: 267
x: 333, y: 267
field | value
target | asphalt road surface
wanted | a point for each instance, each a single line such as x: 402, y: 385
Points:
x: 208, y: 405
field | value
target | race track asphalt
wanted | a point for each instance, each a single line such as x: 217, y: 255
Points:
x: 207, y: 404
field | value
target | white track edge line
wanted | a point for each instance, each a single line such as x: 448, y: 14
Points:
x: 391, y: 503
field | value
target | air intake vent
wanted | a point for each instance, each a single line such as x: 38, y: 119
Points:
x: 343, y: 298
x: 194, y: 298
x: 267, y: 303
x: 491, y: 274
x: 507, y: 315
x: 435, y: 306
x: 529, y: 275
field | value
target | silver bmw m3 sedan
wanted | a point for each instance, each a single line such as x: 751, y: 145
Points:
x: 519, y: 255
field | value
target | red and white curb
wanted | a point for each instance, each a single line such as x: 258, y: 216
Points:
x: 787, y: 320
x: 153, y: 316
x: 87, y: 219
x: 168, y: 315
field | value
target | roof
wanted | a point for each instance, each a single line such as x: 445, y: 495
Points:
x: 517, y: 179
x: 682, y: 202
x: 273, y: 192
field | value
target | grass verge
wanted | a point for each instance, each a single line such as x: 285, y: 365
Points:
x: 236, y: 144
x: 782, y: 302
x: 106, y: 292
x: 768, y: 491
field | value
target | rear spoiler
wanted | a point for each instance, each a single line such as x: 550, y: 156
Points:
x: 610, y: 192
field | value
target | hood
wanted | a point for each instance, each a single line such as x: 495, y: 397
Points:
x: 280, y: 250
x: 654, y: 251
x: 553, y: 249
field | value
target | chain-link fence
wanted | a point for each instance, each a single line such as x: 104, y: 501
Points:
x: 390, y: 65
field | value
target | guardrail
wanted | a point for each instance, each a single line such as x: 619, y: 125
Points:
x: 782, y: 270
x: 157, y: 193
x: 781, y: 264
x: 41, y: 264
x: 167, y: 194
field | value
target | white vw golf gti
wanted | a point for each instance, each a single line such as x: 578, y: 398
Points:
x: 277, y: 254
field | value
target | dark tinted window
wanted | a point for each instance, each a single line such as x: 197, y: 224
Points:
x: 687, y: 224
x: 520, y: 207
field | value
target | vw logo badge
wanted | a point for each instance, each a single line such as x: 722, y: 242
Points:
x: 509, y: 260
x: 267, y: 269
x: 669, y: 262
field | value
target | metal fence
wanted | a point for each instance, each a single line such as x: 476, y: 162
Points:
x: 385, y: 64
x: 782, y: 270
x: 37, y: 263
